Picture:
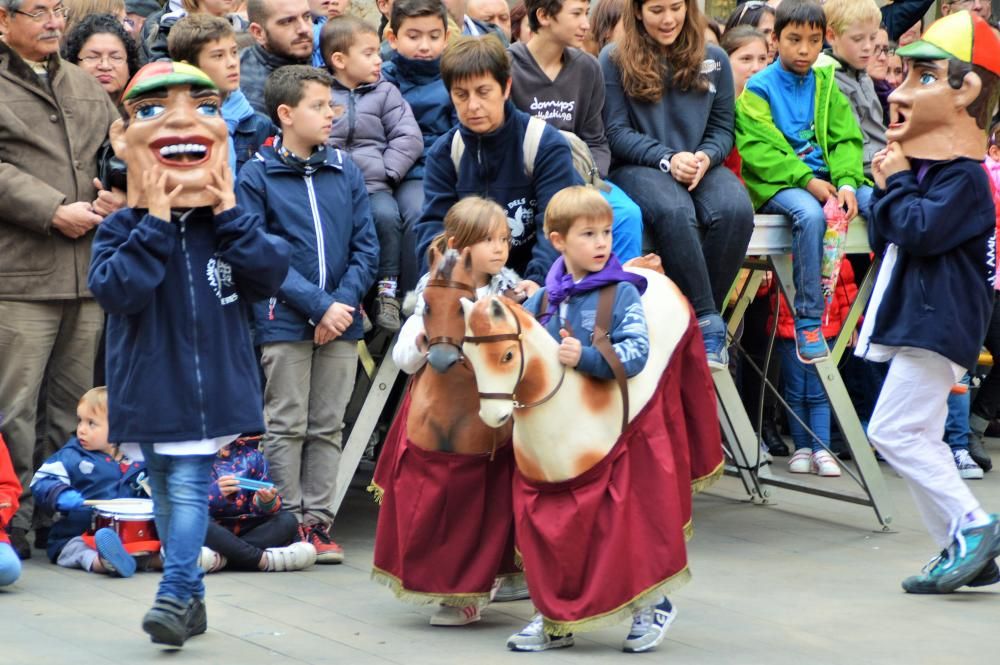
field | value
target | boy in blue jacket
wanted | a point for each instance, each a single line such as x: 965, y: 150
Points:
x: 87, y: 467
x: 176, y: 272
x: 314, y: 197
x: 934, y: 225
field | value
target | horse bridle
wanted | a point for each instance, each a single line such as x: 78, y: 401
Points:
x: 449, y: 284
x: 519, y: 338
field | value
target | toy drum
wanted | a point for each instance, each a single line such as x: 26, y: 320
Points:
x: 132, y: 520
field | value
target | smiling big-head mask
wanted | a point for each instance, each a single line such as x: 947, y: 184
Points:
x: 942, y: 109
x: 174, y: 120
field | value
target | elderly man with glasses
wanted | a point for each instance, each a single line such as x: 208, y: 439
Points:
x: 53, y: 119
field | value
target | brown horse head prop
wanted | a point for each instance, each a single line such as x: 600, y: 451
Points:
x: 444, y: 321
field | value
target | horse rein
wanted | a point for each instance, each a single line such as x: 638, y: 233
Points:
x: 449, y: 284
x: 515, y: 337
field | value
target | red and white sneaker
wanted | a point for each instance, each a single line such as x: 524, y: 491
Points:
x: 318, y: 536
x: 455, y: 616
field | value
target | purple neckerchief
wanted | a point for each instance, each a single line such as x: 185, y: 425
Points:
x: 560, y: 286
x: 923, y: 166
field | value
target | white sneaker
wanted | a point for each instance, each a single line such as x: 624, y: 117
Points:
x: 510, y: 588
x: 824, y: 465
x: 967, y: 467
x: 455, y: 616
x: 649, y: 627
x: 211, y: 561
x: 534, y: 638
x: 296, y: 556
x: 800, y: 461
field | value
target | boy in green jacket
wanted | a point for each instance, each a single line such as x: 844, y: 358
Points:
x: 800, y: 146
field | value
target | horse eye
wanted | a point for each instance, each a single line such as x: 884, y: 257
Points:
x: 507, y: 357
x: 427, y: 309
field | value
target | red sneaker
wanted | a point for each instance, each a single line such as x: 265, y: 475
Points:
x: 327, y: 551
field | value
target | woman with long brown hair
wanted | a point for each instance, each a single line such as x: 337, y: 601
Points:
x: 668, y: 114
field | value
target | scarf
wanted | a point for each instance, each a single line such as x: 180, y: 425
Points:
x: 560, y: 286
x: 303, y: 166
x: 235, y: 110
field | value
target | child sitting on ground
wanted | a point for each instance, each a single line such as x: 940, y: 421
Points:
x: 378, y: 130
x: 800, y: 146
x: 249, y: 531
x: 87, y: 467
x: 578, y: 224
x: 10, y: 493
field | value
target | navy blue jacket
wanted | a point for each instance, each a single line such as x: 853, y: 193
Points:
x: 940, y: 294
x: 334, y: 254
x: 180, y: 363
x: 94, y: 475
x: 492, y: 166
x: 251, y: 133
x: 423, y: 89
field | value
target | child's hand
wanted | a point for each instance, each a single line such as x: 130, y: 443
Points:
x: 228, y: 485
x: 158, y: 199
x: 68, y: 500
x: 527, y: 288
x: 877, y: 174
x: 333, y: 324
x: 849, y: 202
x: 895, y: 161
x: 222, y: 189
x: 267, y: 494
x: 570, y: 349
x: 821, y: 189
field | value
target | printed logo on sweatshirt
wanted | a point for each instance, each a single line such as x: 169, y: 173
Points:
x: 709, y: 65
x: 553, y: 109
x: 86, y: 467
x: 220, y: 278
x: 521, y: 220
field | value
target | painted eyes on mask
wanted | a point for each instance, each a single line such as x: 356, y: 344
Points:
x: 149, y: 111
x: 927, y: 78
x: 208, y: 110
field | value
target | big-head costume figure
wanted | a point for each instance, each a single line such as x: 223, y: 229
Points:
x: 934, y: 225
x: 176, y: 272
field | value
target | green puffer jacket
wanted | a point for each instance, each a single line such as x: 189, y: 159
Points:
x: 769, y: 162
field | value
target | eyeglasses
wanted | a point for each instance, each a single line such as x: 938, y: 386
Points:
x: 112, y: 58
x: 884, y: 50
x: 752, y: 5
x: 42, y: 14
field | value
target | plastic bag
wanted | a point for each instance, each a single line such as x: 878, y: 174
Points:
x: 834, y: 246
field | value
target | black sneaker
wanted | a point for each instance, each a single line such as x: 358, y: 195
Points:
x: 42, y: 538
x: 19, y: 541
x: 978, y: 453
x: 167, y: 621
x: 197, y: 617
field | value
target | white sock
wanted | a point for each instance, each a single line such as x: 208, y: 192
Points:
x: 974, y: 518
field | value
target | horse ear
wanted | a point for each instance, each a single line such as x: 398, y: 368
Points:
x: 467, y: 306
x: 435, y: 256
x: 467, y: 259
x: 496, y: 308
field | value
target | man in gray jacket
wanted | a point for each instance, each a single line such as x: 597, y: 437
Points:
x: 283, y: 30
x: 53, y: 119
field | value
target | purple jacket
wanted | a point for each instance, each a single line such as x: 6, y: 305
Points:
x: 378, y: 130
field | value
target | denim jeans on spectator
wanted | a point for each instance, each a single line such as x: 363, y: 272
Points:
x: 626, y: 231
x: 256, y: 535
x: 389, y: 229
x: 180, y: 485
x: 410, y: 199
x: 987, y: 401
x: 10, y: 565
x: 806, y: 397
x: 701, y: 236
x: 956, y: 426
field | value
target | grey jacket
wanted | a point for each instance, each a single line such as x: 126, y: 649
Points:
x: 256, y: 64
x: 859, y: 89
x: 49, y: 138
x: 378, y: 130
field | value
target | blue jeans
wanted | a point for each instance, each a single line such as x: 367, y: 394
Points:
x: 10, y: 565
x: 626, y: 232
x: 410, y: 199
x: 180, y: 485
x: 808, y: 227
x: 956, y: 426
x: 806, y: 397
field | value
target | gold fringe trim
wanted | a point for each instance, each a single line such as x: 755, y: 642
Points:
x: 376, y: 491
x: 478, y: 600
x: 688, y: 531
x: 703, y: 483
x: 518, y: 559
x: 619, y: 614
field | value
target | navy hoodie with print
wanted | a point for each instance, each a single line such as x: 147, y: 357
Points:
x: 180, y: 363
x: 492, y: 166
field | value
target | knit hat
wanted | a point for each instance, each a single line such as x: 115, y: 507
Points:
x: 142, y: 7
x: 165, y: 74
x: 963, y: 36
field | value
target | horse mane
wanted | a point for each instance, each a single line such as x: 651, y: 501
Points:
x: 447, y: 265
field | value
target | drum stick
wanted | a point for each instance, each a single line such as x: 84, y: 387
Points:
x: 96, y: 502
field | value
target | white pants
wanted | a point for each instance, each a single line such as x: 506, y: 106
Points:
x: 907, y: 427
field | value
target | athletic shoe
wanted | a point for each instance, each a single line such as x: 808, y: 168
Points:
x: 925, y: 584
x: 800, y: 461
x: 772, y: 439
x: 765, y: 455
x: 327, y: 551
x: 455, y: 616
x: 967, y: 467
x: 387, y: 313
x: 810, y: 346
x: 649, y: 627
x: 970, y: 551
x: 167, y: 621
x: 713, y: 332
x: 534, y: 638
x: 19, y: 542
x: 211, y: 561
x: 511, y: 587
x: 197, y: 617
x: 823, y: 464
x: 978, y: 453
x: 296, y: 556
x: 42, y: 537
x: 113, y: 555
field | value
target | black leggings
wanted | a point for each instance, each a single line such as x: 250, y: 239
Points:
x: 245, y: 550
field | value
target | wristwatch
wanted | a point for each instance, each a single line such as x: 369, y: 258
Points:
x: 665, y: 165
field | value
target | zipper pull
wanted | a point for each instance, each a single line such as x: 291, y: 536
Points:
x: 270, y: 308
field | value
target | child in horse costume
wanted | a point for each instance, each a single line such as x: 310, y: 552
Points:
x: 602, y: 492
x: 445, y: 528
x: 934, y: 225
